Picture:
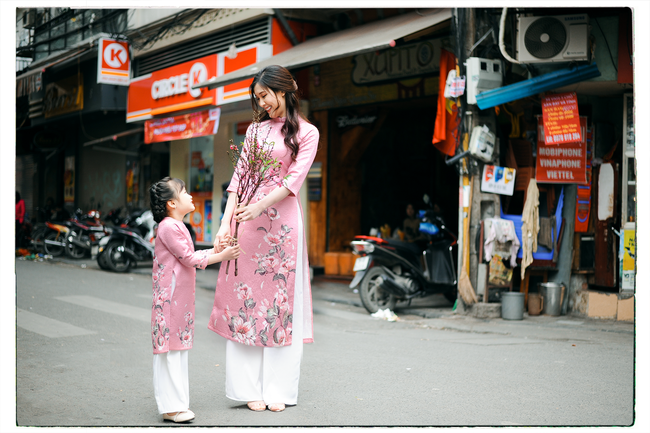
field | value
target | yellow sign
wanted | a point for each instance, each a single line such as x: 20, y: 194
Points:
x: 64, y: 96
x: 629, y: 246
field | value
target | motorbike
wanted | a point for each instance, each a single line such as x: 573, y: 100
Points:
x: 390, y: 271
x: 54, y: 238
x: 129, y: 243
x: 86, y: 230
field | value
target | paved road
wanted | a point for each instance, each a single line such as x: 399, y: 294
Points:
x: 84, y: 359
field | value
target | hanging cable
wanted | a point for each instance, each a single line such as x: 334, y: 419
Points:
x: 502, y: 31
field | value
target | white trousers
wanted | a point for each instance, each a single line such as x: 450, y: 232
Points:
x: 269, y: 374
x: 171, y: 384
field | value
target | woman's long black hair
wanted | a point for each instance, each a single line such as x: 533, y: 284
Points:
x: 276, y: 78
x: 161, y: 192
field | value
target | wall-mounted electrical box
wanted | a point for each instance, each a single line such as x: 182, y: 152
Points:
x: 482, y: 75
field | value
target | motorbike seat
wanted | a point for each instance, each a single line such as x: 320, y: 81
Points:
x: 409, y: 247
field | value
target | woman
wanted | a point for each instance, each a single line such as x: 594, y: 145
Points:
x: 265, y: 310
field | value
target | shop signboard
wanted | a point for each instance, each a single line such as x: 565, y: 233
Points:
x: 64, y: 96
x: 498, y: 180
x: 561, y: 119
x: 189, y: 125
x: 397, y: 63
x: 564, y: 163
x: 170, y: 90
x: 113, y: 62
x: 243, y: 57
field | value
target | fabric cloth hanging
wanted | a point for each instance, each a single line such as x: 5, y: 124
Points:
x: 529, y: 226
x: 501, y: 232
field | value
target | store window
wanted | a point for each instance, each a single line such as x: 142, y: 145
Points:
x: 201, y: 172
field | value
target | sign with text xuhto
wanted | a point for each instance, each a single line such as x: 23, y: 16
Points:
x: 170, y: 90
x: 113, y: 62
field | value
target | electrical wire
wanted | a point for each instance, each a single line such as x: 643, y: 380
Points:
x: 607, y: 43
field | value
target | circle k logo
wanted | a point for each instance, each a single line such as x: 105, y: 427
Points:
x: 181, y: 83
x: 115, y: 55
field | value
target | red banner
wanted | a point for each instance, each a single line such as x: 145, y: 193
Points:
x: 561, y: 119
x: 562, y: 164
x: 179, y: 127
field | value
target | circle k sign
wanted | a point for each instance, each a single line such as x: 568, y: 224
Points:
x: 113, y: 62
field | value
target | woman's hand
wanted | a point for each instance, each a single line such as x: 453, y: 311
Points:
x: 250, y: 212
x: 222, y: 238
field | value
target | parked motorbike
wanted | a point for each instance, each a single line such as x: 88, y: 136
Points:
x: 128, y: 244
x: 388, y: 271
x: 55, y: 238
x: 86, y: 230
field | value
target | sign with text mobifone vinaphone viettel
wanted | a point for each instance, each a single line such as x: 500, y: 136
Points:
x: 113, y: 62
x: 170, y: 90
x: 561, y: 118
x: 564, y: 163
x: 400, y: 62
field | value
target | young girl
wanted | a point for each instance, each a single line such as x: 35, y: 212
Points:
x: 174, y: 279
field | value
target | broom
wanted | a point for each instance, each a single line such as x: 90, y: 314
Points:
x: 464, y: 284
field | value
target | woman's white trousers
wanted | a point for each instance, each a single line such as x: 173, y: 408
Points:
x: 269, y: 374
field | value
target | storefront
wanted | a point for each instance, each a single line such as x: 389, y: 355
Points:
x: 571, y: 135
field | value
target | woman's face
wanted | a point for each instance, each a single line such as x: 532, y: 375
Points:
x: 272, y: 103
x: 409, y: 210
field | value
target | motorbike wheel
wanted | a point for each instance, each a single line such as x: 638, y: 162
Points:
x: 101, y: 261
x: 38, y: 235
x: 115, y: 259
x: 53, y: 250
x: 372, y: 296
x: 74, y: 251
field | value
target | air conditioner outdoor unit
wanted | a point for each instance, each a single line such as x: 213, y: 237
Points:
x: 29, y: 19
x: 559, y: 38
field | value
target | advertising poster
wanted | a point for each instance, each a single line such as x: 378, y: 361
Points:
x: 498, y: 180
x: 68, y: 180
x: 566, y: 163
x: 629, y: 252
x: 190, y: 125
x: 561, y: 119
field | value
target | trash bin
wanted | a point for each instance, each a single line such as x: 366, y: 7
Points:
x: 512, y: 305
x: 553, y: 295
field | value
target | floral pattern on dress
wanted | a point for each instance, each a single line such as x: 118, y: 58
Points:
x: 159, y: 327
x: 187, y: 336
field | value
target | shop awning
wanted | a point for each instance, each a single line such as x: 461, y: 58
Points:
x: 357, y: 40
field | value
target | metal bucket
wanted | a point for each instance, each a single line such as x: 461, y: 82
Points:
x: 553, y: 295
x: 512, y: 305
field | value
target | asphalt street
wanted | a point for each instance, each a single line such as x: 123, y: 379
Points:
x: 83, y: 358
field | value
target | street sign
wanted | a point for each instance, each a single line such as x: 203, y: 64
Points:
x: 113, y: 62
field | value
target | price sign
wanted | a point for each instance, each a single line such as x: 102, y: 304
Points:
x: 561, y: 119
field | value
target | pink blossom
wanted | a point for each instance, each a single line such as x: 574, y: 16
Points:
x: 282, y: 298
x: 244, y: 292
x: 244, y: 331
x: 273, y: 240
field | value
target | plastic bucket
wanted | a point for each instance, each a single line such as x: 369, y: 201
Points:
x: 512, y: 306
x: 553, y: 294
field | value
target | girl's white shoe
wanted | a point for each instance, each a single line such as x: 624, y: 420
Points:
x: 184, y: 416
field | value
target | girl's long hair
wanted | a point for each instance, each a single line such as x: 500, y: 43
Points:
x: 276, y: 78
x: 161, y: 192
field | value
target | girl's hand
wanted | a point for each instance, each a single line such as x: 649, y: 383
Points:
x: 250, y: 212
x: 231, y: 253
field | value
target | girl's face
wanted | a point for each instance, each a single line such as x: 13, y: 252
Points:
x: 272, y: 103
x: 183, y: 203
